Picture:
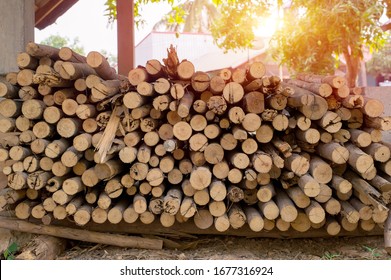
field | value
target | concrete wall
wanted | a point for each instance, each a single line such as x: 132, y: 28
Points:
x: 16, y: 30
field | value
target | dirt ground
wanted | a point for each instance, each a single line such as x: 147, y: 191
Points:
x: 237, y: 248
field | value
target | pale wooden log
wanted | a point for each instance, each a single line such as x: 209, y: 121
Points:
x: 74, y: 71
x: 262, y: 162
x: 341, y: 136
x: 303, y: 123
x: 90, y: 177
x: 360, y: 138
x: 349, y: 212
x: 325, y: 193
x: 320, y: 170
x: 228, y: 142
x: 297, y: 164
x: 254, y: 102
x: 333, y: 152
x: 302, y: 223
x: 83, y: 235
x: 315, y: 212
x: 200, y: 81
x: 358, y: 159
x: 221, y: 170
x: 80, y: 85
x: 381, y: 123
x: 217, y: 85
x: 38, y: 211
x: 287, y: 209
x: 203, y: 219
x: 104, y: 201
x: 26, y: 137
x: 236, y: 216
x: 115, y: 214
x: 83, y: 215
x: 74, y: 204
x: 330, y: 121
x: 56, y: 148
x: 130, y: 215
x: 90, y: 125
x: 264, y: 133
x: 200, y: 178
x: 316, y: 110
x: 365, y: 190
x: 311, y: 135
x: 385, y: 167
x: 172, y: 201
x: 309, y: 185
x: 217, y: 190
x: 217, y: 104
x: 269, y: 209
x: 52, y: 114
x: 11, y: 78
x: 201, y: 197
x: 276, y: 101
x: 182, y: 130
x: 251, y: 122
x: 382, y: 184
x: 61, y: 198
x: 102, y: 67
x: 25, y: 77
x: 198, y: 142
x: 187, y: 189
x: 353, y: 101
x: 280, y: 122
x: 379, y: 216
x: 99, y: 215
x: 46, y: 163
x: 10, y: 108
x: 236, y: 115
x: 224, y: 123
x: 365, y: 211
x: 367, y: 225
x: 162, y: 102
x: 266, y: 192
x: 222, y: 223
x: 235, y: 176
x: 200, y: 106
x: 133, y: 100
x: 23, y: 124
x: 250, y: 146
x: 31, y: 164
x: 49, y: 204
x: 108, y: 169
x: 167, y: 220
x: 28, y: 93
x: 372, y: 107
x: 32, y: 194
x: 167, y: 164
x: 23, y: 209
x: 38, y: 180
x: 156, y: 205
x: 73, y: 186
x: 8, y: 90
x: 19, y: 153
x: 332, y: 227
x: 378, y: 151
x: 188, y: 208
x: 297, y: 195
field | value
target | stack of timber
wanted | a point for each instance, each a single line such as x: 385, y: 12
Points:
x: 168, y: 143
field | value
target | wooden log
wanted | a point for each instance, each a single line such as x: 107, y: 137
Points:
x: 102, y: 67
x: 311, y: 135
x: 309, y: 185
x: 359, y: 160
x: 372, y: 107
x: 254, y: 102
x: 321, y: 89
x: 264, y: 133
x: 381, y: 123
x: 297, y: 164
x: 297, y: 195
x: 10, y: 108
x: 287, y: 209
x: 316, y: 110
x: 320, y: 170
x: 23, y: 209
x: 331, y: 122
x: 172, y: 201
x: 333, y: 152
x: 378, y: 151
x: 8, y: 90
x: 200, y: 178
x: 266, y: 192
x: 325, y: 193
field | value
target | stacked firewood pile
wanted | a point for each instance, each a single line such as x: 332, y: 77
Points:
x: 173, y: 144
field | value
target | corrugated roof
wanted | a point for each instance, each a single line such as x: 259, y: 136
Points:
x: 47, y: 11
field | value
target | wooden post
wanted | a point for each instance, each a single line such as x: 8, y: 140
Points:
x: 125, y: 36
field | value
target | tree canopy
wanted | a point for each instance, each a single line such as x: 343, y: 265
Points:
x: 313, y: 35
x: 59, y: 41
